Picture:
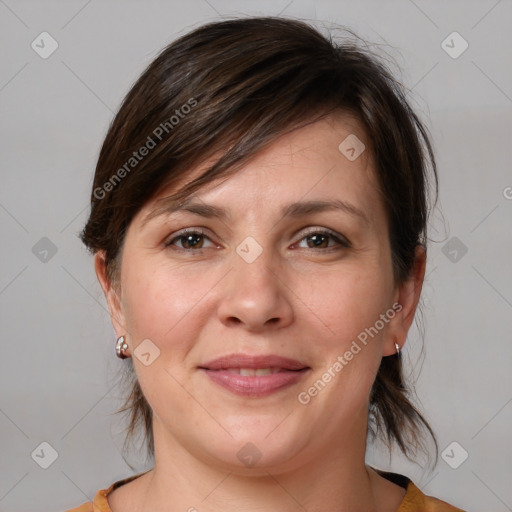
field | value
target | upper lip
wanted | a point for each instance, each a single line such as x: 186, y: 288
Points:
x: 249, y: 361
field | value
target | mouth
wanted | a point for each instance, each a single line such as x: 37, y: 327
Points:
x: 254, y: 376
x: 271, y: 362
x: 251, y: 372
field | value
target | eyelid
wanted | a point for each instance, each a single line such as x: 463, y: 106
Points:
x: 341, y: 240
x: 183, y: 232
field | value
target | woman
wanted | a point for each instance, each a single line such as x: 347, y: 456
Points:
x: 258, y: 220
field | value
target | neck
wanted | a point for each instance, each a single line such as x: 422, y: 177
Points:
x: 334, y: 477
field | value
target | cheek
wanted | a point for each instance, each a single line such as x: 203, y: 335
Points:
x: 349, y: 309
x: 348, y: 306
x: 346, y: 302
x: 163, y: 303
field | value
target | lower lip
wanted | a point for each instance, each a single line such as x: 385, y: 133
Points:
x: 255, y: 385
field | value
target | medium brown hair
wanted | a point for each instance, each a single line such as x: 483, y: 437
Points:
x: 230, y: 88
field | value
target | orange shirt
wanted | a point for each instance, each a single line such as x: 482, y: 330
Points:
x: 413, y: 501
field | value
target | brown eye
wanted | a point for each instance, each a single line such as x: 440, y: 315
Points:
x: 189, y: 240
x: 320, y: 240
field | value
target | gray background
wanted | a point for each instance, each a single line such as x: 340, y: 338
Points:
x: 57, y: 361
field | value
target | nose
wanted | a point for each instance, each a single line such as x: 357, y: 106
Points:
x: 254, y: 297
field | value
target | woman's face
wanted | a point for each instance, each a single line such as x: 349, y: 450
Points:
x: 312, y: 285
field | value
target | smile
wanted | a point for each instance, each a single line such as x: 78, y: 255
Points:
x: 254, y: 371
x: 255, y: 382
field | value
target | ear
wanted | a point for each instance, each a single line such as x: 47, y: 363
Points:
x: 408, y: 296
x: 111, y: 294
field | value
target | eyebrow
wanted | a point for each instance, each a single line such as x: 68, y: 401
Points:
x: 294, y: 210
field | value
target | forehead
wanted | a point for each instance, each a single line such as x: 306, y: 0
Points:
x: 326, y: 159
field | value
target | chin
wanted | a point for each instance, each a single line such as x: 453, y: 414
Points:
x: 255, y: 450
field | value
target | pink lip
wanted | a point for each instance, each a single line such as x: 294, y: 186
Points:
x: 248, y: 361
x: 255, y: 385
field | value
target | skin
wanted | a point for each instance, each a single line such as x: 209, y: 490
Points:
x: 297, y: 300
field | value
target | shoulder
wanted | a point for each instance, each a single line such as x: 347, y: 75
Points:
x: 86, y: 507
x: 415, y: 501
x: 100, y: 502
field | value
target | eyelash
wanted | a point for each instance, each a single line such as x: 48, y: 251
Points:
x: 342, y: 241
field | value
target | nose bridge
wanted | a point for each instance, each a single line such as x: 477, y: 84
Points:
x: 253, y: 262
x: 255, y: 295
